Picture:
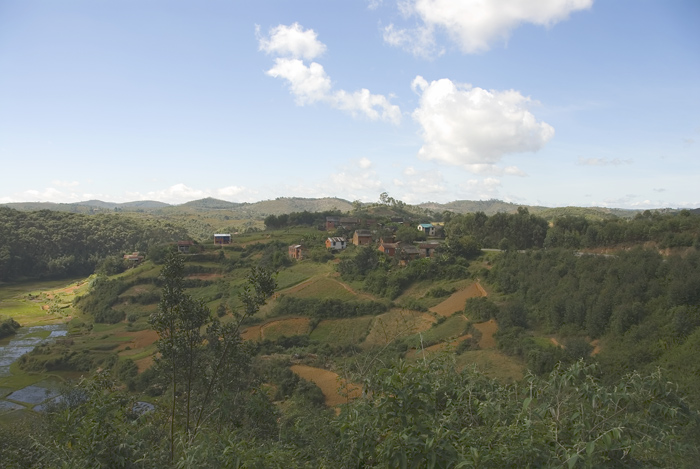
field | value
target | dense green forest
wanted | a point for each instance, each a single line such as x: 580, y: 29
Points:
x: 524, y: 230
x: 60, y: 244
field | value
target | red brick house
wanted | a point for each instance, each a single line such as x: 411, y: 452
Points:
x: 362, y: 238
x: 389, y: 248
x: 297, y: 251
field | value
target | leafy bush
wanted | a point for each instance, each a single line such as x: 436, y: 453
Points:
x: 326, y: 308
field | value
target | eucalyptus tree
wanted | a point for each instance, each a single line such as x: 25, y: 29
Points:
x: 200, y: 357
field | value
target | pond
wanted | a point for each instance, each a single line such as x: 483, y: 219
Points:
x: 24, y: 341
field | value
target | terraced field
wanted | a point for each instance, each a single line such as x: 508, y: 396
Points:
x: 457, y: 300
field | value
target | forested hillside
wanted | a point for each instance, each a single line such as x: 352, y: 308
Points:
x: 57, y: 244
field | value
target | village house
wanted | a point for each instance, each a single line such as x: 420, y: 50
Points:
x: 336, y: 243
x: 134, y: 258
x: 332, y: 223
x: 222, y: 238
x: 348, y: 223
x: 427, y: 249
x: 427, y: 228
x: 297, y: 251
x: 407, y: 254
x: 388, y: 248
x: 184, y: 246
x: 362, y: 238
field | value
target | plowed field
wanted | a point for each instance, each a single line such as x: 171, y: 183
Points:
x: 396, y: 323
x: 456, y: 301
x: 335, y: 390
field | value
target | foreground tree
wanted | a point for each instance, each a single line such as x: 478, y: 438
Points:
x: 202, y: 358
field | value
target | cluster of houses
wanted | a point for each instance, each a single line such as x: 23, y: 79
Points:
x: 363, y: 237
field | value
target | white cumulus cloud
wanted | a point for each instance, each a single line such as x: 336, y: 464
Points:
x: 474, y: 25
x: 310, y: 83
x: 292, y: 41
x: 474, y: 128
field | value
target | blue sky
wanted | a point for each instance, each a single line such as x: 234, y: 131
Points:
x: 563, y: 102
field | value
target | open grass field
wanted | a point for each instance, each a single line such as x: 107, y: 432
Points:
x: 299, y: 272
x: 342, y: 331
x: 323, y: 287
x: 457, y: 300
x: 37, y: 303
x: 336, y: 390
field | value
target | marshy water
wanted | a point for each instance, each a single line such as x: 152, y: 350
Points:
x: 24, y: 341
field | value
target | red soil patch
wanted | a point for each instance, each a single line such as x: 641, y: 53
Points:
x: 556, y: 342
x: 457, y: 300
x: 144, y: 364
x: 336, y: 390
x: 487, y: 330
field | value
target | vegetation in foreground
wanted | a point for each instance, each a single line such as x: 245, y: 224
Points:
x: 421, y: 404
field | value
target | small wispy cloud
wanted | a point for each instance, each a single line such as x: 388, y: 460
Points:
x: 602, y: 161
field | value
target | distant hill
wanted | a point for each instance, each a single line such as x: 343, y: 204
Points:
x: 281, y: 205
x: 297, y: 204
x: 208, y: 204
x: 493, y: 206
x: 489, y: 207
x: 89, y: 206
